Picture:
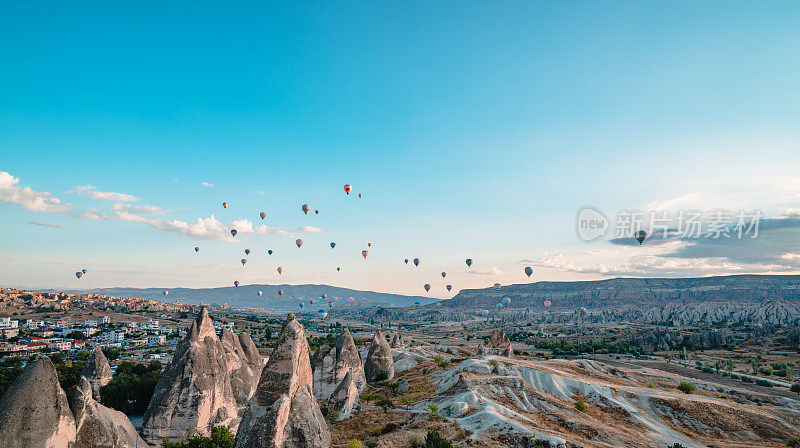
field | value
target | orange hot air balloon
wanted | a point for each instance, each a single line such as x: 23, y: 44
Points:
x: 347, y: 188
x: 364, y: 253
x: 305, y: 208
x: 280, y: 270
x: 224, y: 205
x: 236, y: 283
x: 280, y: 292
x: 427, y: 287
x: 263, y: 215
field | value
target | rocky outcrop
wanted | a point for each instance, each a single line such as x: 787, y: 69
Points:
x: 195, y: 391
x: 397, y: 341
x: 34, y: 412
x: 331, y: 364
x: 283, y: 412
x: 497, y: 344
x: 345, y: 398
x: 244, y: 365
x: 97, y: 425
x: 379, y: 360
x: 97, y: 371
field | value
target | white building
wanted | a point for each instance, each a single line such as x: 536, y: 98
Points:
x: 152, y: 325
x: 112, y: 337
x: 105, y: 320
x: 136, y: 342
x: 9, y: 332
x: 7, y: 322
x: 90, y: 323
x: 34, y: 323
x: 58, y: 344
x: 156, y: 339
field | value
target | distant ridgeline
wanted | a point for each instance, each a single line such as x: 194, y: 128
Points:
x: 623, y: 292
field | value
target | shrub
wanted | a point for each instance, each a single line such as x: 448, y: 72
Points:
x: 332, y: 414
x: 371, y: 442
x: 407, y: 402
x: 685, y: 387
x: 390, y: 427
x: 382, y: 376
x: 434, y: 440
x: 354, y: 444
x: 580, y: 405
x: 764, y: 383
x: 220, y: 437
x: 368, y: 396
x: 415, y: 441
x: 792, y: 442
x: 747, y: 379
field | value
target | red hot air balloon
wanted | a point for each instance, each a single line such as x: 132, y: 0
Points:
x: 347, y: 188
x: 359, y: 195
x: 263, y: 215
x: 236, y: 283
x: 364, y: 253
x: 547, y: 304
x: 247, y: 251
x: 299, y: 242
x: 280, y: 292
x: 449, y: 287
x: 305, y: 208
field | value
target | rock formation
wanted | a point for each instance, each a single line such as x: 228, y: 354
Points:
x: 332, y: 364
x: 97, y: 425
x: 34, y: 412
x: 283, y: 412
x: 195, y: 391
x: 379, y: 360
x: 97, y: 371
x: 244, y: 365
x: 345, y: 398
x: 397, y: 341
x: 497, y: 344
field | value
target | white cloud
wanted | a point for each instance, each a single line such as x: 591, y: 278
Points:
x: 206, y: 184
x: 48, y: 224
x: 494, y: 271
x: 37, y: 201
x: 138, y: 209
x: 91, y: 191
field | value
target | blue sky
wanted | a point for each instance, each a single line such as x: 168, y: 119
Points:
x: 473, y: 129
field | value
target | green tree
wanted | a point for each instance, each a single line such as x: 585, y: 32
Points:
x: 685, y: 387
x: 434, y: 440
x: 795, y: 388
x: 220, y: 437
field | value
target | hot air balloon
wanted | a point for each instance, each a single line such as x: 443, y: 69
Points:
x: 406, y: 260
x: 196, y: 249
x: 260, y: 293
x: 528, y: 271
x: 506, y: 302
x: 280, y: 292
x: 583, y: 310
x: 79, y: 274
x: 499, y: 306
x: 263, y: 215
x: 330, y: 304
x: 234, y: 232
x: 299, y: 242
x: 243, y: 260
x: 311, y: 301
x: 322, y: 314
x: 324, y: 296
x: 224, y: 205
x: 280, y: 270
x: 364, y: 253
x: 449, y: 287
x: 166, y: 292
x: 444, y: 274
x: 416, y: 262
x: 333, y: 245
x: 269, y: 252
x: 416, y: 303
x: 547, y: 304
x: 347, y: 188
x: 236, y: 283
x: 427, y: 287
x: 359, y: 195
x: 640, y: 236
x: 316, y: 212
x: 305, y: 208
x: 497, y: 286
x: 83, y: 271
x: 338, y: 269
x: 469, y: 262
x: 301, y: 304
x: 369, y: 244
x: 484, y: 313
x: 247, y: 251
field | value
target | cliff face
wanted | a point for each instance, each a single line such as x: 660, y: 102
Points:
x: 332, y: 364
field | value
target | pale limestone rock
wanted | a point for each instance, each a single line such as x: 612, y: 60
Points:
x: 332, y: 364
x: 283, y: 412
x: 97, y: 371
x: 345, y: 398
x: 195, y: 391
x: 99, y: 426
x: 34, y: 412
x: 379, y: 359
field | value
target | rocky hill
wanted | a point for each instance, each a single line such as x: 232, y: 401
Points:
x: 247, y: 296
x: 635, y: 292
